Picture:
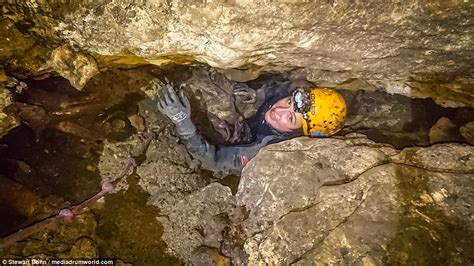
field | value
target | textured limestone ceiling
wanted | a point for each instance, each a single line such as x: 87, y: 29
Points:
x: 420, y: 48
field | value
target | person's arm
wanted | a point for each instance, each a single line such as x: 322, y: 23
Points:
x: 212, y: 157
x: 222, y: 158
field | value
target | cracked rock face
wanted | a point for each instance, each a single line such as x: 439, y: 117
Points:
x: 419, y: 48
x: 352, y: 201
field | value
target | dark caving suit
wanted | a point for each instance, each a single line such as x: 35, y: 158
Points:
x: 234, y: 158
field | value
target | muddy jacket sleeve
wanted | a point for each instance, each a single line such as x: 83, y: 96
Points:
x: 222, y: 158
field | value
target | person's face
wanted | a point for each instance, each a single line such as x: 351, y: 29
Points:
x: 282, y: 116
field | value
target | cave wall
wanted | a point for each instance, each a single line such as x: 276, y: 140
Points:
x: 419, y: 48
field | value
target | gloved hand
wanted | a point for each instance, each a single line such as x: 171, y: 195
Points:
x: 175, y: 108
x: 244, y: 93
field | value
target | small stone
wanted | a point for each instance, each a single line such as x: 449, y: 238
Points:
x: 75, y: 66
x: 467, y: 131
x: 138, y: 122
x: 443, y: 130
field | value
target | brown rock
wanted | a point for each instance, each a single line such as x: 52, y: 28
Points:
x: 467, y: 131
x: 75, y: 66
x: 138, y: 122
x: 444, y: 130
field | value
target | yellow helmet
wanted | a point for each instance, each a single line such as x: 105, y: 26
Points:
x: 323, y: 109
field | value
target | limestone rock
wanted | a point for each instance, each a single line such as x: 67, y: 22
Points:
x: 192, y: 213
x: 21, y: 52
x: 301, y: 172
x: 75, y: 66
x: 467, y: 131
x: 368, y: 204
x: 418, y: 48
x: 13, y: 42
x: 138, y: 122
x: 168, y: 173
x: 197, y: 220
x: 444, y: 130
x: 438, y: 156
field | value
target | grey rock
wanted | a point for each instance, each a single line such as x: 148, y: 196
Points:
x: 168, y: 173
x: 376, y: 205
x: 439, y: 157
x: 197, y: 219
x: 303, y: 166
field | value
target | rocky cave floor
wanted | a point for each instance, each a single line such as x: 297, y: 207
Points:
x: 172, y: 212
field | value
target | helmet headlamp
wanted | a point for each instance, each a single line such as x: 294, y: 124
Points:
x: 301, y: 101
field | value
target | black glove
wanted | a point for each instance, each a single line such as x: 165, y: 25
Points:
x: 175, y: 108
